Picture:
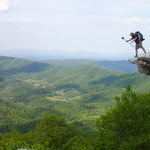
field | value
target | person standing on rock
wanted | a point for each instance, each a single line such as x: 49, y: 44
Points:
x: 137, y: 37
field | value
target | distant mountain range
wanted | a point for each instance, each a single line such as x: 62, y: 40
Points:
x: 70, y: 59
x: 42, y: 54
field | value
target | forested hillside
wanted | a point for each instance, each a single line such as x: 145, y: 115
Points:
x: 126, y: 126
x: 30, y: 90
x: 120, y: 65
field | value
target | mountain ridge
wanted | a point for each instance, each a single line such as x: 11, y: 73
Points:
x: 118, y: 65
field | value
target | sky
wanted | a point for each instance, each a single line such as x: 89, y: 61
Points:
x: 84, y: 27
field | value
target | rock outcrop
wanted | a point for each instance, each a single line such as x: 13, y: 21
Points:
x: 143, y: 63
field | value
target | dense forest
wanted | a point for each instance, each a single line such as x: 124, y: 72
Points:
x: 46, y: 106
x: 125, y: 126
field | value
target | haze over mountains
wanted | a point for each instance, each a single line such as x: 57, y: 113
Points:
x: 38, y: 54
x: 72, y: 59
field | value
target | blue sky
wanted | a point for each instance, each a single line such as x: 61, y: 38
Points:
x: 90, y: 27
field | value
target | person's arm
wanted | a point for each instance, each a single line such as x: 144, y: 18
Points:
x: 132, y: 39
x: 129, y: 40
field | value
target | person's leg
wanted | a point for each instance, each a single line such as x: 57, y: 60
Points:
x: 144, y: 50
x: 141, y: 46
x: 136, y: 50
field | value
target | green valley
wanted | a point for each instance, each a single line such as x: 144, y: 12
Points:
x: 30, y: 90
x: 76, y: 92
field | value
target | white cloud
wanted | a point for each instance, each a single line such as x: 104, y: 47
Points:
x: 134, y: 22
x: 128, y: 21
x: 4, y: 5
x: 16, y: 20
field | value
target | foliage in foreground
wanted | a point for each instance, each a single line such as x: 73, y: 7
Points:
x: 125, y: 127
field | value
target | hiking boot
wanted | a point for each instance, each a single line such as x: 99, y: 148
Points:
x: 136, y: 56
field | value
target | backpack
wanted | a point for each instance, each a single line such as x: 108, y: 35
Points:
x: 140, y: 36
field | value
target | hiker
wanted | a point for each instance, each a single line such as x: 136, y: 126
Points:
x: 137, y: 37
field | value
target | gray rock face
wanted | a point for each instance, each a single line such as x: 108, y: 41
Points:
x: 143, y: 63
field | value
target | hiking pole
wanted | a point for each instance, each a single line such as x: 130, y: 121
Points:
x: 126, y: 41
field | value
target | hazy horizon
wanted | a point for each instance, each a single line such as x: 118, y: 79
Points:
x: 59, y: 54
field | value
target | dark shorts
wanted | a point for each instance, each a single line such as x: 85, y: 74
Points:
x: 139, y: 45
